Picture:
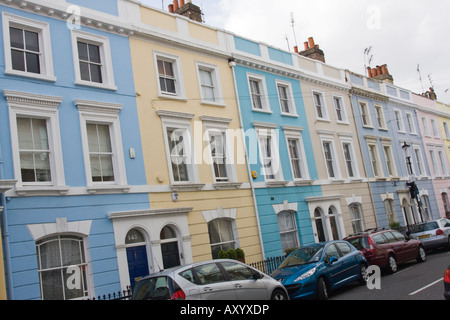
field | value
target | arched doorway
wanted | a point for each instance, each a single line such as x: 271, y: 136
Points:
x: 333, y: 223
x: 319, y: 225
x: 136, y: 255
x: 169, y: 247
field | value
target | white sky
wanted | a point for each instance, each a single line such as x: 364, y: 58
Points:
x: 402, y: 33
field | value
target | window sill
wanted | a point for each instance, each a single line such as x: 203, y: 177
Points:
x: 102, y: 189
x: 227, y: 185
x: 96, y: 85
x: 187, y: 186
x: 292, y: 115
x: 275, y: 184
x: 41, y: 191
x: 213, y: 104
x: 303, y: 182
x: 44, y: 77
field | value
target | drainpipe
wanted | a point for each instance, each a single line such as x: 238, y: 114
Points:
x: 232, y: 64
x: 5, y: 235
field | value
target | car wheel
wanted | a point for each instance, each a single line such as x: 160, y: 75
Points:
x: 278, y: 294
x: 392, y: 264
x: 322, y: 289
x: 422, y: 257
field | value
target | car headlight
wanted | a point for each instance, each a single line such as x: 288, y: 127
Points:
x: 307, y: 274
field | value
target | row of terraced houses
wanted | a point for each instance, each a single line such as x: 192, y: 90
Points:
x: 134, y: 139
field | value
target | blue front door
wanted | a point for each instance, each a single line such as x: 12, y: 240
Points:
x: 137, y: 263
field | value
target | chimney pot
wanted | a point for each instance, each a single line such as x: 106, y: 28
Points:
x: 306, y: 45
x: 379, y: 72
x: 384, y: 69
x: 295, y: 49
x: 369, y: 72
x: 176, y: 6
x: 374, y: 72
x: 182, y: 3
x: 171, y: 10
x: 311, y: 42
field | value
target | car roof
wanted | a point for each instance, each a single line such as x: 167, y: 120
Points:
x: 367, y: 232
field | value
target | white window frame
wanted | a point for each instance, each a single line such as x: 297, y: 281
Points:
x: 365, y: 113
x: 261, y: 80
x: 385, y: 145
x: 217, y: 85
x: 291, y: 215
x: 399, y: 125
x: 290, y: 98
x: 323, y: 106
x: 335, y: 161
x: 446, y: 130
x: 29, y: 105
x: 354, y: 162
x: 46, y: 58
x: 215, y: 127
x: 380, y: 117
x: 435, y: 128
x: 419, y: 162
x: 180, y: 92
x: 442, y: 161
x: 410, y: 122
x: 376, y: 160
x: 180, y: 121
x: 265, y: 133
x: 343, y: 109
x: 291, y: 134
x: 105, y: 114
x: 105, y: 56
x: 426, y: 128
x: 434, y: 163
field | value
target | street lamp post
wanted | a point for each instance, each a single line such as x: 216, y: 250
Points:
x: 413, y: 190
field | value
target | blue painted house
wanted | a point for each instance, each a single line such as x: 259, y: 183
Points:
x: 279, y: 146
x: 385, y: 117
x: 70, y: 150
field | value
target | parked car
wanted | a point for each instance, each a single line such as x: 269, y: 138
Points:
x: 387, y: 248
x: 433, y: 234
x: 220, y: 279
x: 447, y: 283
x: 314, y: 271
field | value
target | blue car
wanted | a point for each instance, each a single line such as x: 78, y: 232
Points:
x: 314, y: 271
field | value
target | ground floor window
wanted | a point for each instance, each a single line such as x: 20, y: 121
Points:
x: 221, y: 236
x: 288, y: 230
x: 62, y: 267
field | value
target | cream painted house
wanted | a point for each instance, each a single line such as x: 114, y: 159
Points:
x: 198, y: 184
x: 346, y: 203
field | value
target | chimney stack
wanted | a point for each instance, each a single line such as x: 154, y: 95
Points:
x: 380, y: 73
x: 186, y: 8
x: 312, y: 50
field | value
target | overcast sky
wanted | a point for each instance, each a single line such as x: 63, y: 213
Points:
x: 402, y: 33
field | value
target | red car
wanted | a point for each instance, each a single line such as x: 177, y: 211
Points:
x: 387, y: 248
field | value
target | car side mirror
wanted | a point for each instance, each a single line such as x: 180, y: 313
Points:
x: 330, y: 260
x: 257, y: 276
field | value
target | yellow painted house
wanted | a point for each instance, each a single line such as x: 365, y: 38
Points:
x: 198, y: 184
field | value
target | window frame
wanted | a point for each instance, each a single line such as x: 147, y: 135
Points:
x: 375, y: 170
x: 180, y: 93
x: 266, y: 133
x: 354, y: 162
x: 389, y: 158
x: 104, y: 114
x: 410, y: 122
x: 365, y: 114
x: 46, y: 56
x: 291, y: 215
x: 323, y: 105
x: 334, y: 159
x: 217, y: 85
x: 28, y: 105
x: 261, y: 81
x: 380, y: 117
x: 105, y: 58
x: 343, y: 110
x: 289, y: 98
x: 303, y: 163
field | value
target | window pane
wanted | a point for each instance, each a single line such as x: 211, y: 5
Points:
x: 96, y: 73
x: 83, y: 51
x: 94, y: 53
x: 18, y: 60
x: 107, y: 172
x: 104, y: 138
x: 32, y: 41
x: 84, y: 71
x: 51, y: 282
x: 50, y: 254
x: 33, y: 64
x: 209, y: 273
x: 40, y: 134
x: 70, y: 252
x: 42, y: 163
x: 16, y: 37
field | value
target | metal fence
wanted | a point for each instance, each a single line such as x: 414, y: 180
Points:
x: 120, y: 295
x: 268, y: 266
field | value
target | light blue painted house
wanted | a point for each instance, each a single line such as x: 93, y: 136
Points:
x: 70, y: 150
x: 386, y: 119
x: 279, y: 146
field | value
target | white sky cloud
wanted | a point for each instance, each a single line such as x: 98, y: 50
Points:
x: 402, y: 33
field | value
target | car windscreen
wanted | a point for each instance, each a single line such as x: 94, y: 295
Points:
x: 156, y: 288
x: 425, y: 227
x: 303, y: 256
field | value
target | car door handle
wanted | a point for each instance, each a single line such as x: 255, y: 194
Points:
x: 237, y: 285
x: 208, y: 289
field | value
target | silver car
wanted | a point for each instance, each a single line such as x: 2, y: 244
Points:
x: 433, y: 234
x: 210, y: 280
